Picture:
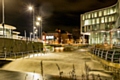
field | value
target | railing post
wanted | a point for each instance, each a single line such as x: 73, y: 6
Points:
x: 112, y: 56
x: 106, y: 55
x: 102, y: 54
x: 98, y: 52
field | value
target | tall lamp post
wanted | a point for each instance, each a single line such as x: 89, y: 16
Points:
x: 40, y: 29
x: 3, y: 19
x: 3, y: 22
x: 37, y: 24
x: 32, y: 9
x: 30, y: 36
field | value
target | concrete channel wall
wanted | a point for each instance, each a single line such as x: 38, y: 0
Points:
x: 10, y: 46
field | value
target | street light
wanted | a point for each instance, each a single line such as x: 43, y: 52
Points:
x: 3, y: 17
x: 30, y: 36
x: 30, y: 8
x: 3, y: 22
x: 37, y: 23
x: 40, y: 19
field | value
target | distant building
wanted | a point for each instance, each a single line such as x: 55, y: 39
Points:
x: 54, y: 38
x: 15, y: 35
x: 50, y: 37
x: 76, y: 34
x: 102, y: 25
x: 8, y: 31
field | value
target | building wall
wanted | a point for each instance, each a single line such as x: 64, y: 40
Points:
x: 99, y: 23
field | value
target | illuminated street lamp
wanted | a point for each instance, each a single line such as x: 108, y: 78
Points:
x: 39, y: 18
x: 40, y: 32
x: 30, y: 8
x: 37, y: 23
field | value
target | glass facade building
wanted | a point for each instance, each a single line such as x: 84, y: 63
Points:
x: 8, y: 31
x: 102, y: 25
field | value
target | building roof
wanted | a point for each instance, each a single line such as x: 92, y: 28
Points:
x: 15, y: 32
x: 8, y: 27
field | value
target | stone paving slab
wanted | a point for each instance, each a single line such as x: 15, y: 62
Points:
x: 14, y: 75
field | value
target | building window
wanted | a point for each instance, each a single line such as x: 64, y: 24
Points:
x: 114, y: 9
x: 95, y: 14
x: 106, y: 19
x: 97, y: 20
x: 110, y: 18
x: 111, y: 11
x: 93, y: 21
x: 105, y: 12
x: 100, y: 13
x: 89, y: 16
x: 92, y: 15
x: 87, y: 22
x: 96, y: 27
x: 93, y: 27
x: 83, y: 17
x: 83, y: 29
x: 113, y: 18
x: 88, y: 28
x: 102, y: 20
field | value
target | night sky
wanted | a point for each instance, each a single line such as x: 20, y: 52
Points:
x: 63, y: 14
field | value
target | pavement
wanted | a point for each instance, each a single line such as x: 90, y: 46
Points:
x: 54, y: 65
x: 14, y: 75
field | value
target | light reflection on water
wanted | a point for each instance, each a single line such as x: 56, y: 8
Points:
x: 13, y: 75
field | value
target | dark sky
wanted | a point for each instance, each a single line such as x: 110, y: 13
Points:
x: 63, y: 14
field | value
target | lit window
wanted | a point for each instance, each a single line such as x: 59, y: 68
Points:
x: 100, y: 13
x: 102, y: 20
x: 105, y: 12
x: 113, y: 18
x: 97, y: 21
x: 93, y: 21
x: 95, y: 14
x: 92, y: 15
x: 111, y: 11
x: 105, y: 19
x: 87, y: 22
x: 110, y: 19
x: 115, y: 10
x: 83, y: 18
x: 88, y: 15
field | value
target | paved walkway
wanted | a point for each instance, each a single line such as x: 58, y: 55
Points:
x: 57, y: 64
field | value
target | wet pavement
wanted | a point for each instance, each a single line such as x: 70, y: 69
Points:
x: 14, y: 75
x: 28, y: 68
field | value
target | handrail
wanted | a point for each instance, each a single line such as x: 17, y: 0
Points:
x: 108, y: 55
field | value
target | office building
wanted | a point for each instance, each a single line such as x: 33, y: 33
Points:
x: 102, y: 25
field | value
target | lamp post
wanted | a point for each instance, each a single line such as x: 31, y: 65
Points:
x: 38, y: 24
x: 40, y: 29
x: 30, y: 36
x: 31, y: 9
x: 3, y: 21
